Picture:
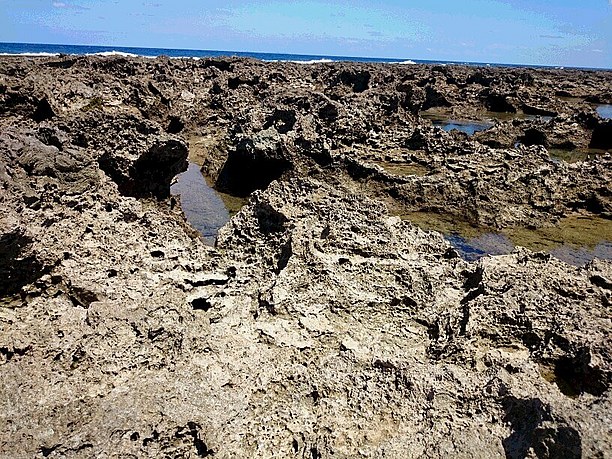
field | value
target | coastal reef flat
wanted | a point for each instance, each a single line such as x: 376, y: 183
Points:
x: 333, y: 317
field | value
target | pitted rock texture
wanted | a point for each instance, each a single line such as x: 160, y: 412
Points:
x: 319, y: 325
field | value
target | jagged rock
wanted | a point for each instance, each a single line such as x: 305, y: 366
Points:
x: 496, y: 102
x: 253, y: 163
x: 146, y: 170
x: 319, y: 325
x: 534, y: 136
x: 176, y: 125
x: 502, y: 135
x: 43, y: 111
x: 434, y: 98
x: 358, y: 81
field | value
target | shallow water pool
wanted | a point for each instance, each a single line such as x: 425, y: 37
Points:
x: 605, y: 111
x: 573, y: 156
x: 499, y: 244
x: 470, y: 127
x: 484, y: 122
x: 576, y: 239
x: 205, y: 209
x: 402, y: 168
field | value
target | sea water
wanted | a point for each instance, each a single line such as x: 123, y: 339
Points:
x: 41, y: 49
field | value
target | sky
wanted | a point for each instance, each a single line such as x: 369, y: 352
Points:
x: 540, y: 32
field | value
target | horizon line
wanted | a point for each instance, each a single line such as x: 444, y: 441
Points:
x: 424, y: 61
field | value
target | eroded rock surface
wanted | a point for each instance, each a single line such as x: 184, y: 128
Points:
x: 320, y: 325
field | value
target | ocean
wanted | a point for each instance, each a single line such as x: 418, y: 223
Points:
x: 36, y: 49
x: 39, y: 49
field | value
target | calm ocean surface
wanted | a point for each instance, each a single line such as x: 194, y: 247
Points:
x: 45, y: 49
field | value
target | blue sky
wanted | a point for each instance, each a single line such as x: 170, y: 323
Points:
x: 562, y: 32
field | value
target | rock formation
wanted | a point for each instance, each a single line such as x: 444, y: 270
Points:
x: 320, y: 325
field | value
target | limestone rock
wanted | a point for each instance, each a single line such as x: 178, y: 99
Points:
x: 320, y: 325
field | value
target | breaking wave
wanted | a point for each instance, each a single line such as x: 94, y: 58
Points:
x: 118, y: 53
x: 406, y: 62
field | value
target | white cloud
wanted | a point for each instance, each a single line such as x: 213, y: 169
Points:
x: 74, y: 7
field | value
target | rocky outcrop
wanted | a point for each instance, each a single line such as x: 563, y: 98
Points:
x: 253, y: 163
x: 320, y: 325
x: 148, y: 173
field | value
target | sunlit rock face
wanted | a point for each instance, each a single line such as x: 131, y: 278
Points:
x: 323, y: 305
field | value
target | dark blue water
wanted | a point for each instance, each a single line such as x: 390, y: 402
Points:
x: 36, y: 48
x: 39, y: 48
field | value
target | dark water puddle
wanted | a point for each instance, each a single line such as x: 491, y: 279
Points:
x: 605, y: 111
x: 205, y: 209
x: 484, y: 122
x: 468, y: 126
x: 576, y: 239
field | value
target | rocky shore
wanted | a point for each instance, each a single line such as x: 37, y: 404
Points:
x: 324, y: 322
